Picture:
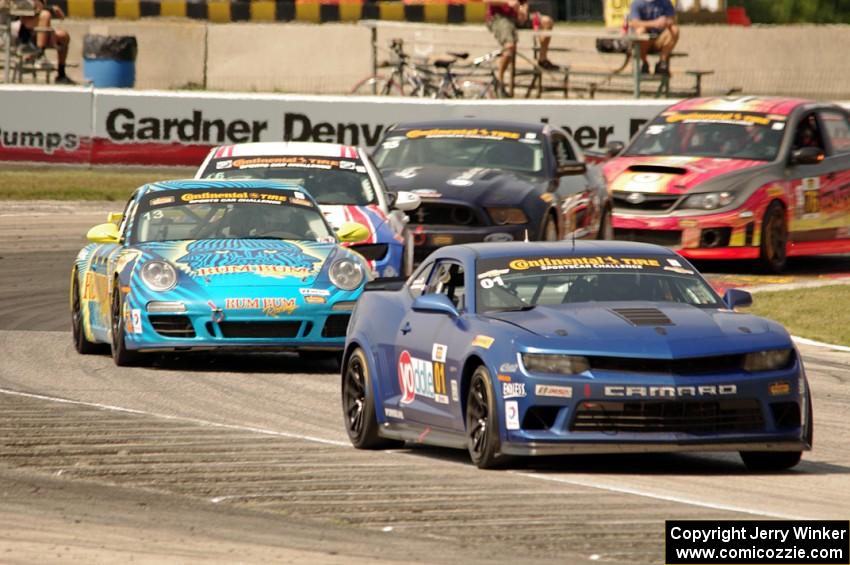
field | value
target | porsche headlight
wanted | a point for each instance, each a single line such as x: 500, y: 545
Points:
x: 346, y: 274
x: 504, y: 216
x: 767, y: 360
x: 708, y: 200
x: 557, y: 364
x: 159, y: 275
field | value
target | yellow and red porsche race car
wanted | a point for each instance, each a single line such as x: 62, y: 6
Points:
x: 737, y: 178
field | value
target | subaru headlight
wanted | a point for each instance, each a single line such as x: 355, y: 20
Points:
x: 159, y: 276
x: 557, y: 364
x: 767, y: 360
x: 505, y: 216
x: 346, y: 274
x: 708, y: 200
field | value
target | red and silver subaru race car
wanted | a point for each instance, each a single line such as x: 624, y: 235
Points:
x: 737, y: 178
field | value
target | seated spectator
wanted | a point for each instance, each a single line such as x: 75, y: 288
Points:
x: 504, y: 17
x: 24, y: 29
x: 657, y: 18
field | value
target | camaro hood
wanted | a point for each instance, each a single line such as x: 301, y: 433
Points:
x: 659, y: 330
x: 672, y: 175
x: 245, y: 262
x: 482, y: 186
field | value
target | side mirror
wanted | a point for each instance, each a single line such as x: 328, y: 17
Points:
x: 104, y: 233
x: 737, y: 298
x: 435, y: 304
x: 571, y: 168
x: 614, y: 148
x: 806, y: 156
x: 406, y: 201
x: 352, y: 232
x: 114, y: 218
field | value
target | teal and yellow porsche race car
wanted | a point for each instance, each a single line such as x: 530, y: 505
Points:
x: 194, y: 265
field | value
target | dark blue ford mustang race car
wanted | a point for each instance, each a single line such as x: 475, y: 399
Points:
x: 556, y: 348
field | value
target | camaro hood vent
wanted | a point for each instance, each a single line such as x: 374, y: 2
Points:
x: 643, y: 316
x: 661, y: 169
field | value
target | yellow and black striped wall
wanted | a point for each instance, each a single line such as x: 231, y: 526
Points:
x: 277, y: 11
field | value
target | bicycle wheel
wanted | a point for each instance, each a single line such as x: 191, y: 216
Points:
x: 376, y: 85
x: 478, y: 89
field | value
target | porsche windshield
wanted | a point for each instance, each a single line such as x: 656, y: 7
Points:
x: 228, y: 214
x: 506, y: 284
x: 475, y: 148
x: 721, y: 135
x: 330, y: 181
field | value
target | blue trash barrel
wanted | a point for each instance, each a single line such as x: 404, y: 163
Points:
x: 110, y: 60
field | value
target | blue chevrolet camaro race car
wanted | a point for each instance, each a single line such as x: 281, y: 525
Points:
x: 518, y: 349
x: 195, y: 265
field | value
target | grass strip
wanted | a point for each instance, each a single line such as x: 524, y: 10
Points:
x: 819, y: 313
x: 78, y: 183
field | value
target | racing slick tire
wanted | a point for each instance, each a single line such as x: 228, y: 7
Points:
x: 606, y: 225
x: 774, y: 239
x: 779, y: 460
x: 81, y: 343
x: 122, y: 356
x: 549, y: 229
x: 358, y: 405
x: 482, y: 422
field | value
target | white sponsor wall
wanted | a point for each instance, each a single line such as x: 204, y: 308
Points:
x: 178, y: 128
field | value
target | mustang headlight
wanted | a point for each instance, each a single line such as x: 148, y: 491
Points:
x: 346, y: 274
x: 708, y: 200
x: 159, y: 275
x: 767, y: 360
x: 559, y: 364
x: 504, y: 216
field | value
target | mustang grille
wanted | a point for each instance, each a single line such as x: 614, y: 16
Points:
x: 173, y: 326
x: 667, y: 238
x: 643, y: 316
x: 692, y: 417
x: 259, y: 329
x: 372, y: 251
x: 439, y: 214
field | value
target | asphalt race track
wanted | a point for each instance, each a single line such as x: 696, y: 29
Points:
x: 245, y: 459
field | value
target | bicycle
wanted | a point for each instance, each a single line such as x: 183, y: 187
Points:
x: 405, y: 79
x: 453, y: 85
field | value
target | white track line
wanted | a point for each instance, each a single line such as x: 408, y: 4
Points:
x: 575, y: 482
x: 814, y: 343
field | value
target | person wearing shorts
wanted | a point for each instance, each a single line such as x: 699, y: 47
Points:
x: 504, y: 17
x: 24, y: 30
x: 658, y: 19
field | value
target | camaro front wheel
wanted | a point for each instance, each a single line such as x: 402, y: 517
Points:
x: 482, y: 422
x: 358, y: 405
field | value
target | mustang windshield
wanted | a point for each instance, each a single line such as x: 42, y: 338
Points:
x: 463, y: 148
x: 522, y: 283
x: 228, y: 214
x: 331, y: 181
x: 721, y: 135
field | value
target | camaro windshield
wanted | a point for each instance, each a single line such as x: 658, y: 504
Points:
x: 463, y: 148
x: 722, y: 135
x: 228, y: 214
x: 521, y: 283
x: 330, y: 181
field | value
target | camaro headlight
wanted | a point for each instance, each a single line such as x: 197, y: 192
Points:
x: 767, y: 360
x: 159, y: 275
x: 346, y: 274
x: 559, y: 364
x: 708, y: 200
x: 504, y: 216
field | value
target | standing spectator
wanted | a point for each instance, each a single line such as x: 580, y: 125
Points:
x: 504, y: 17
x: 658, y: 19
x: 25, y: 31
